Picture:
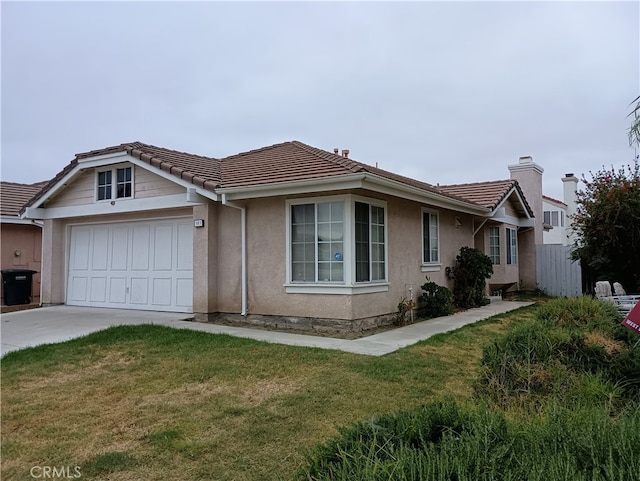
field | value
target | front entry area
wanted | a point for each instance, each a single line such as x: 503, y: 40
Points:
x: 132, y: 265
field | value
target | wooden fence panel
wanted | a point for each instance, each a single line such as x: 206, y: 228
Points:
x: 556, y: 273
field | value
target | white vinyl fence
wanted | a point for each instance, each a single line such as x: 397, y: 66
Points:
x: 556, y: 273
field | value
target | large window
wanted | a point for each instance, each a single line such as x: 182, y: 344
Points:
x: 340, y: 241
x: 370, y: 242
x: 430, y: 238
x: 494, y: 245
x: 121, y: 189
x: 317, y: 242
x: 512, y: 246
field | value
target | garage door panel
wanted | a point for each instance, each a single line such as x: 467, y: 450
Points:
x: 162, y: 291
x: 98, y: 289
x: 118, y: 290
x: 139, y: 290
x: 78, y: 288
x: 100, y: 249
x: 184, y: 292
x: 120, y: 249
x: 141, y: 265
x: 80, y: 249
x: 140, y: 248
x: 162, y: 248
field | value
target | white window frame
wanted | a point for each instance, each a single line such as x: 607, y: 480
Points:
x: 429, y: 265
x: 491, y: 256
x: 511, y: 235
x: 114, y: 182
x: 349, y: 284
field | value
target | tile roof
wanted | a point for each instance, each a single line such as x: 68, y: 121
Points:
x: 14, y: 196
x: 487, y: 194
x: 554, y: 201
x: 280, y: 163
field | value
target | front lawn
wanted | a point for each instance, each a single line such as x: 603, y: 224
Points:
x: 148, y: 402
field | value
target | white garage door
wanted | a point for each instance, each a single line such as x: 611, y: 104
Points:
x: 134, y: 265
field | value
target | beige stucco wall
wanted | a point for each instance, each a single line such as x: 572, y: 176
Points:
x: 267, y: 265
x: 503, y: 273
x: 21, y: 249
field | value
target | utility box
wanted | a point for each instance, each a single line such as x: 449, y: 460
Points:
x: 17, y: 286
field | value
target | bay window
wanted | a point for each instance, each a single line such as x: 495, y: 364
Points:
x: 336, y: 241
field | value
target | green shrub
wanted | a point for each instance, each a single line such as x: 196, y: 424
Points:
x: 435, y: 301
x: 470, y: 273
x: 441, y: 441
x: 571, y: 345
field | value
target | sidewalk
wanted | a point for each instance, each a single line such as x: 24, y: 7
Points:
x: 60, y: 323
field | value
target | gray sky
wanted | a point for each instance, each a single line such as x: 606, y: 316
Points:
x: 442, y: 92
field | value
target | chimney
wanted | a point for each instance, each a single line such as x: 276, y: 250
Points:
x: 345, y: 153
x: 336, y: 150
x: 569, y: 190
x: 529, y: 176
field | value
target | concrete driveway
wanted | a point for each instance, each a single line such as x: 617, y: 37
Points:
x: 47, y: 325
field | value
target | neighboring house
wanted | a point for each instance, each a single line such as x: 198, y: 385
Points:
x: 557, y: 214
x: 21, y: 238
x: 282, y: 234
x: 554, y: 219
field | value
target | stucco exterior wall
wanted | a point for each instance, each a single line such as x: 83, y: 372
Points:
x: 22, y: 249
x: 267, y: 261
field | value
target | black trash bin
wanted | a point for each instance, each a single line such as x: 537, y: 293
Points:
x: 17, y: 286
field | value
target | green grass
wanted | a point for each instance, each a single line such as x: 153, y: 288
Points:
x: 149, y: 402
x: 441, y: 441
x: 556, y: 399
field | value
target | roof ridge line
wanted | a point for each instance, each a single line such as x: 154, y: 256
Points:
x: 351, y: 164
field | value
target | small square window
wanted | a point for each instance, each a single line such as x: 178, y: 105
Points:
x: 121, y: 189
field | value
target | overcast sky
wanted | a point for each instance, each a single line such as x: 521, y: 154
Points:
x: 442, y: 92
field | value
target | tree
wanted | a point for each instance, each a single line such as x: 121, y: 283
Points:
x: 470, y: 273
x: 634, y: 130
x: 607, y: 223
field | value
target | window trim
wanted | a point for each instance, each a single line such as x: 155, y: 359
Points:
x: 429, y: 265
x: 511, y: 246
x: 498, y: 246
x: 349, y: 284
x: 114, y: 182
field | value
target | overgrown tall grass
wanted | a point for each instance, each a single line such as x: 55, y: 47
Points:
x: 557, y: 399
x: 442, y: 441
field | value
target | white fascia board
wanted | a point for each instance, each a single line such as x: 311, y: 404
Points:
x: 517, y: 221
x: 9, y: 219
x: 500, y: 208
x: 342, y: 182
x: 172, y: 178
x: 119, y: 158
x: 118, y: 206
x: 352, y: 181
x: 105, y: 159
x: 398, y: 189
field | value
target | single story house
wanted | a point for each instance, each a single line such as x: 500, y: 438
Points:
x: 287, y: 234
x: 21, y: 238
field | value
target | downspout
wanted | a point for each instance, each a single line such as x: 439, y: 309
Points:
x: 243, y: 240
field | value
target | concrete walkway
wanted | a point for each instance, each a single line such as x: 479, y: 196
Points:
x: 60, y: 323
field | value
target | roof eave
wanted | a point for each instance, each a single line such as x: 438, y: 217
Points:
x: 360, y: 180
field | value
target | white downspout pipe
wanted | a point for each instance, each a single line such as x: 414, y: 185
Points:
x: 243, y: 240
